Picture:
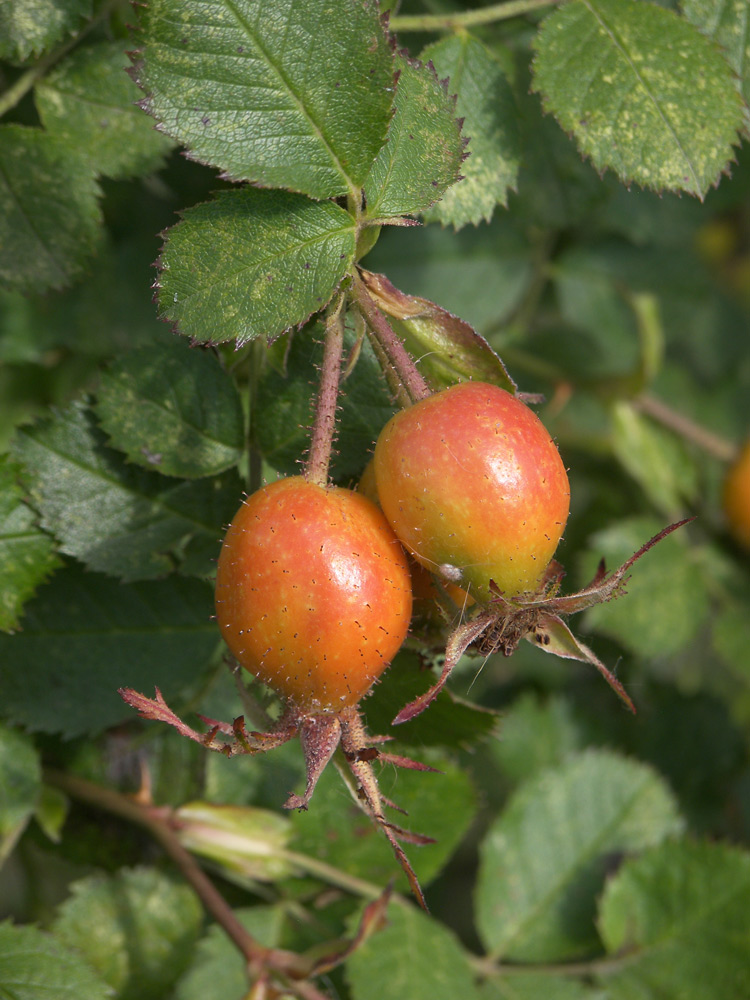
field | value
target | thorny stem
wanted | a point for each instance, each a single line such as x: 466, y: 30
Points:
x: 714, y: 444
x: 467, y: 18
x: 398, y: 357
x: 18, y: 90
x: 324, y: 426
x: 157, y: 822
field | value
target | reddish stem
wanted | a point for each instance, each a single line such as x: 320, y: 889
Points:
x: 398, y: 357
x: 324, y: 425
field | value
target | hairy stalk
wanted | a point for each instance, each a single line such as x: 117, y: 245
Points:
x: 466, y: 18
x: 158, y: 822
x: 398, y: 358
x: 324, y: 426
x: 18, y: 90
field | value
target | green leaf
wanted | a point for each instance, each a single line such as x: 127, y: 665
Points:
x: 34, y: 966
x: 218, y: 970
x: 137, y: 929
x: 30, y: 27
x: 642, y: 91
x: 414, y: 958
x: 295, y: 95
x: 88, y: 101
x: 485, y: 101
x: 522, y: 985
x: 114, y: 517
x: 545, y: 858
x: 26, y: 554
x: 726, y: 22
x: 49, y: 217
x: 172, y: 409
x: 668, y: 578
x: 85, y: 636
x: 20, y: 786
x: 422, y: 156
x: 657, y: 460
x: 253, y: 264
x: 336, y: 831
x: 284, y: 403
x: 536, y: 735
x: 680, y: 914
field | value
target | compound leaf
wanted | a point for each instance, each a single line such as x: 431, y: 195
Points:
x: 34, y: 966
x: 642, y: 91
x: 30, y: 27
x: 84, y: 636
x: 114, y: 517
x: 49, y: 216
x: 485, y: 101
x: 422, y: 156
x: 172, y: 409
x: 88, y: 101
x: 253, y: 264
x: 680, y: 913
x: 544, y: 861
x: 285, y: 93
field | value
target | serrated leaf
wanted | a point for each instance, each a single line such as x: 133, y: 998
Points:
x: 441, y: 806
x: 727, y: 23
x: 89, y: 102
x: 218, y: 970
x: 84, y: 636
x: 680, y: 913
x: 29, y: 27
x: 137, y: 929
x: 650, y: 97
x: 284, y: 401
x: 49, y: 216
x: 422, y: 155
x: 545, y: 858
x: 26, y: 553
x: 666, y: 598
x: 172, y: 409
x: 20, y: 786
x: 418, y: 959
x: 253, y: 264
x: 114, y: 517
x: 294, y: 94
x: 485, y: 101
x: 657, y: 460
x: 35, y: 966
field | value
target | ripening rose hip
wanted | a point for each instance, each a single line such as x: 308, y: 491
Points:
x: 470, y: 478
x: 737, y: 497
x: 313, y: 593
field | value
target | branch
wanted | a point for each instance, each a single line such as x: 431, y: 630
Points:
x: 715, y: 445
x: 467, y: 18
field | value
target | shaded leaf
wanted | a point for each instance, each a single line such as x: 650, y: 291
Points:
x: 26, y: 554
x: 136, y: 928
x: 85, y: 635
x: 423, y: 152
x: 485, y: 101
x: 112, y: 516
x: 297, y: 94
x: 172, y: 409
x: 88, y: 101
x: 418, y: 959
x: 545, y: 858
x: 522, y: 985
x: 727, y: 23
x: 49, y: 216
x: 535, y: 735
x: 30, y: 27
x: 253, y: 264
x: 35, y: 966
x: 20, y: 786
x: 650, y: 97
x: 680, y: 913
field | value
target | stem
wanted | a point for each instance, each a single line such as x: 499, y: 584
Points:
x: 467, y: 18
x: 717, y: 446
x: 11, y: 97
x: 319, y: 457
x: 157, y: 823
x: 398, y: 357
